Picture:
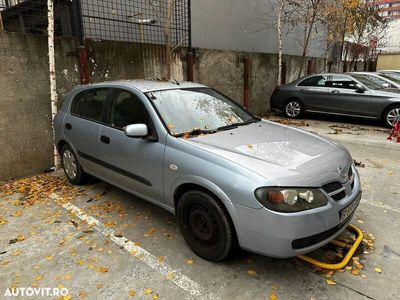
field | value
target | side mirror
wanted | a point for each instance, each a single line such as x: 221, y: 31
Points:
x: 136, y: 130
x: 360, y: 88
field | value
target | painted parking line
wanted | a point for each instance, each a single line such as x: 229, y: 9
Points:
x: 181, y: 280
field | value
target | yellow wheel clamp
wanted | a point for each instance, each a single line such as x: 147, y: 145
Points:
x: 346, y: 258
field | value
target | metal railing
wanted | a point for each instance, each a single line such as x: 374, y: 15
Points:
x: 142, y: 21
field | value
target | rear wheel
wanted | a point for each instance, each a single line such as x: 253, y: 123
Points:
x: 71, y: 165
x: 391, y: 116
x: 293, y: 109
x: 205, y: 225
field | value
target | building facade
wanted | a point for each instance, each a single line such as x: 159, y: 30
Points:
x: 388, y: 8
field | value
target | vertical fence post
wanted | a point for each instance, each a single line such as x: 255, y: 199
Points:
x: 189, y: 56
x: 246, y: 82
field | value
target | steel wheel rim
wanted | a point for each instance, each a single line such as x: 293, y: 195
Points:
x: 393, y: 116
x: 203, y: 226
x: 293, y: 109
x: 69, y: 164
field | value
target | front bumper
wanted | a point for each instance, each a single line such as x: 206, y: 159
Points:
x: 285, y: 235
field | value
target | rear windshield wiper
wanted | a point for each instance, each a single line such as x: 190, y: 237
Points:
x: 194, y: 132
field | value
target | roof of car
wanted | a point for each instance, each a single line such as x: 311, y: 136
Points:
x: 148, y: 85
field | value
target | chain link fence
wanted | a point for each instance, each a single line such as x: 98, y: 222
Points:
x: 141, y: 21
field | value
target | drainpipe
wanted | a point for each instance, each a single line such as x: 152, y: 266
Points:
x: 83, y: 64
x: 246, y: 82
x: 82, y: 50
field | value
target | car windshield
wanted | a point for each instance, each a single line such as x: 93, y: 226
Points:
x: 200, y: 110
x: 391, y: 76
x: 367, y: 82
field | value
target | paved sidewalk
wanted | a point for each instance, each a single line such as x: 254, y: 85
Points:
x: 100, y: 242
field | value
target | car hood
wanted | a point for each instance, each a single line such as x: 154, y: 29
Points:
x: 282, y: 154
x: 390, y: 93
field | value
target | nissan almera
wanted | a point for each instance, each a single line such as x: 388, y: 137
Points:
x: 229, y: 177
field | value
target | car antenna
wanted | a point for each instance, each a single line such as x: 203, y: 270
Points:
x: 176, y: 81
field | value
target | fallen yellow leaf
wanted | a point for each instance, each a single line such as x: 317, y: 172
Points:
x: 132, y: 293
x: 49, y: 257
x: 272, y: 295
x: 378, y: 270
x: 330, y: 282
x: 355, y: 271
x: 189, y: 261
x: 155, y: 296
x: 18, y: 213
x: 99, y: 286
x: 102, y: 270
x: 17, y: 252
x: 161, y: 258
x: 67, y: 297
x: 251, y: 272
x: 148, y: 290
x: 20, y: 237
x: 38, y: 278
x: 82, y: 294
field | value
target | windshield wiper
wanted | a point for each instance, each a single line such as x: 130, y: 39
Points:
x: 236, y: 125
x: 195, y: 132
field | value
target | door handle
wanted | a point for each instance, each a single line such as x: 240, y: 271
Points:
x: 335, y: 92
x: 105, y: 139
x: 68, y: 126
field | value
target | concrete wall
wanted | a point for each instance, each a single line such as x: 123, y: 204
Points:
x: 25, y: 120
x: 25, y: 132
x: 223, y: 70
x: 388, y: 61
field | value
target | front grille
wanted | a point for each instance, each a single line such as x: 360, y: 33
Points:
x: 331, y: 187
x: 335, y: 190
x: 339, y: 196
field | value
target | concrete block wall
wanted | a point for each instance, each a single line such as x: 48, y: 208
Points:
x: 25, y: 120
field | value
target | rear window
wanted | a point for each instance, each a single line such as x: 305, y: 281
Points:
x: 89, y: 104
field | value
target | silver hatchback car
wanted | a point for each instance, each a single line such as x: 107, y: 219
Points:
x: 229, y: 177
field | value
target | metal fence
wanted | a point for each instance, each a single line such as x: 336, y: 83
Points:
x: 142, y: 21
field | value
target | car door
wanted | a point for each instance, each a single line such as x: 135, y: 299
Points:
x: 347, y: 98
x: 82, y: 126
x: 314, y: 94
x: 132, y: 163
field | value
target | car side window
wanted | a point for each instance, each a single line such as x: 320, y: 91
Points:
x: 313, y: 81
x: 89, y: 104
x: 341, y: 82
x: 127, y: 109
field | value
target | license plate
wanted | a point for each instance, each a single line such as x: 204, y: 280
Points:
x: 348, y: 210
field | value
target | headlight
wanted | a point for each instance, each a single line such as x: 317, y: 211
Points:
x: 290, y: 199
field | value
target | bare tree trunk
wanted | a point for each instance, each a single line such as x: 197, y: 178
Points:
x: 52, y: 69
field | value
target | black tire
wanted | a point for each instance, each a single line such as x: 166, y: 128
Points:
x: 393, y: 109
x: 293, y: 108
x: 79, y: 176
x: 205, y: 225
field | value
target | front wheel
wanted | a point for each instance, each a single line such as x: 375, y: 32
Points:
x: 391, y: 116
x: 205, y: 225
x: 293, y: 109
